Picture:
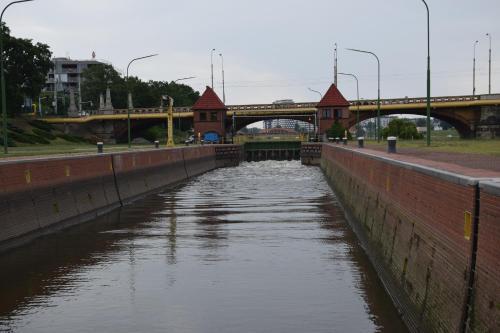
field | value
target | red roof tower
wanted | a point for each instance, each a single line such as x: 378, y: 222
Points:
x: 209, y: 114
x: 209, y: 101
x: 332, y: 98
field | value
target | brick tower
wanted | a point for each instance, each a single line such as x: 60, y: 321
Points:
x: 209, y: 117
x: 333, y: 108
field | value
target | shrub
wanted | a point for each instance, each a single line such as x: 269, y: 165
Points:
x: 338, y: 131
x: 71, y: 138
x: 401, y: 128
x: 41, y: 125
x: 44, y: 134
x: 11, y: 142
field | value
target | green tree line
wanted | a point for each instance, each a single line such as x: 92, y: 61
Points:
x: 26, y: 65
x: 148, y: 94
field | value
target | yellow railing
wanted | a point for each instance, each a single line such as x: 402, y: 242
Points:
x: 301, y: 137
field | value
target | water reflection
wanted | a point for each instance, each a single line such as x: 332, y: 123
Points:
x: 260, y: 247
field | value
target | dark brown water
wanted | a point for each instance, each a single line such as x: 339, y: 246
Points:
x: 263, y: 247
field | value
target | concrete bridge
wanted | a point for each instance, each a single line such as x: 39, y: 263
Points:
x: 472, y: 116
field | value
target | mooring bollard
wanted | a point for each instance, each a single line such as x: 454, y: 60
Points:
x: 344, y: 141
x: 391, y: 144
x: 157, y: 144
x: 100, y: 147
x: 337, y: 140
x: 361, y: 142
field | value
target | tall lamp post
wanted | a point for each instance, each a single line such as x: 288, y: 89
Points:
x: 212, y: 66
x: 4, y: 101
x: 428, y: 121
x: 185, y: 78
x: 489, y: 65
x: 357, y: 94
x: 378, y: 95
x: 223, y: 84
x: 474, y: 70
x: 128, y: 86
x: 315, y: 115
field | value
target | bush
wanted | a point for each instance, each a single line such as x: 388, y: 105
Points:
x: 71, y: 138
x: 44, y: 134
x: 28, y: 138
x: 401, y: 128
x: 338, y: 131
x: 41, y: 125
x: 11, y: 143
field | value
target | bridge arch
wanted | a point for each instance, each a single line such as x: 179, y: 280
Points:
x: 458, y: 121
x: 242, y: 121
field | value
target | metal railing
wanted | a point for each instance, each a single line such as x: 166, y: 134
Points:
x: 312, y: 105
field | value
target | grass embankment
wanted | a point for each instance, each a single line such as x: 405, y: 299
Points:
x: 447, y: 141
x: 28, y: 137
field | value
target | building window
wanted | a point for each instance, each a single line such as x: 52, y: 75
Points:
x: 213, y: 116
x: 203, y: 116
x: 327, y: 114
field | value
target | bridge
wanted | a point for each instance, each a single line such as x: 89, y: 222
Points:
x: 472, y: 116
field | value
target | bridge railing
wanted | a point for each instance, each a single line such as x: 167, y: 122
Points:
x: 312, y: 105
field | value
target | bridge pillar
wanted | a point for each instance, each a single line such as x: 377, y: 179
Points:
x: 489, y: 124
x: 209, y: 117
x: 333, y: 108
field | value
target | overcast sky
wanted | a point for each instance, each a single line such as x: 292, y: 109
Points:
x: 276, y: 49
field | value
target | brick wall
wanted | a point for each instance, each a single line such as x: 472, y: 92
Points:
x: 412, y: 220
x: 486, y: 316
x: 40, y: 195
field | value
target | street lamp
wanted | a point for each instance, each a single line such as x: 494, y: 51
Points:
x: 129, y: 93
x: 378, y: 96
x: 428, y: 121
x: 474, y: 70
x: 185, y: 78
x: 223, y: 88
x: 317, y: 92
x: 357, y: 93
x: 212, y: 66
x: 4, y: 101
x: 315, y: 115
x: 489, y: 63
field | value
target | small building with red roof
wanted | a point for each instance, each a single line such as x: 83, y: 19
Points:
x: 333, y: 108
x: 209, y: 115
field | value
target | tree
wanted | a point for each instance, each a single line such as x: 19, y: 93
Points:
x: 401, y: 128
x: 26, y: 67
x: 338, y: 131
x: 144, y: 94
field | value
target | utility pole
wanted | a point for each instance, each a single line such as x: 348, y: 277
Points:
x: 170, y: 120
x: 223, y: 84
x: 428, y: 120
x: 212, y: 67
x: 335, y: 66
x: 489, y: 65
x: 474, y: 70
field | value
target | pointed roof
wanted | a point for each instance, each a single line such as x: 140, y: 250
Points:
x: 209, y: 101
x: 333, y: 97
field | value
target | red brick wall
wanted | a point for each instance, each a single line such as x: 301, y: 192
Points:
x: 41, y: 193
x: 414, y: 222
x: 487, y: 295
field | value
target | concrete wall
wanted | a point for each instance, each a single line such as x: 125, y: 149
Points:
x: 42, y: 195
x: 419, y: 226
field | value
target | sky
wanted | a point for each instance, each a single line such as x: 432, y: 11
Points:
x: 276, y: 49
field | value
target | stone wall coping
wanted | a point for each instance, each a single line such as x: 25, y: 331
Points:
x: 491, y: 186
x: 48, y: 158
x: 438, y: 173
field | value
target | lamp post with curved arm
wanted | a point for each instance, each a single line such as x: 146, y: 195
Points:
x: 212, y: 66
x: 4, y: 98
x: 428, y: 121
x: 357, y: 94
x: 378, y: 94
x: 128, y: 87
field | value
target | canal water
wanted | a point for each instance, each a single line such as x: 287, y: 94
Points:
x: 263, y: 247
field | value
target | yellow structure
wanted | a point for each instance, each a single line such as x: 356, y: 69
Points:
x: 170, y: 122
